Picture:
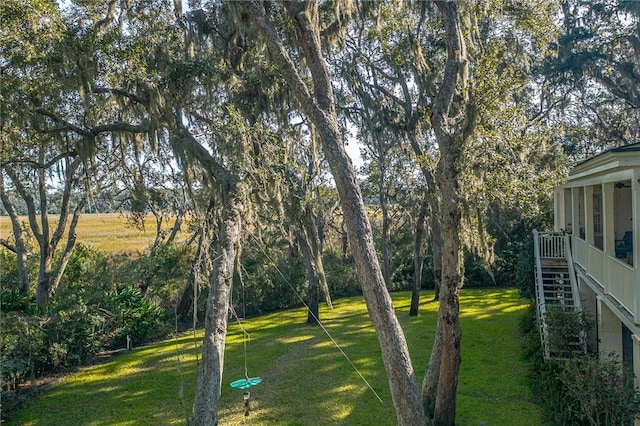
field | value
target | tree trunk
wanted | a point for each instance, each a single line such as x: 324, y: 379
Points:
x: 314, y: 230
x: 432, y: 375
x: 313, y: 290
x: 68, y: 250
x: 418, y: 258
x: 451, y: 143
x: 19, y: 246
x: 205, y: 409
x: 386, y: 238
x: 320, y: 109
x: 436, y: 251
x: 344, y: 240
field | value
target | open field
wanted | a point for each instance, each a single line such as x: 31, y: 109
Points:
x: 306, y: 381
x: 107, y: 232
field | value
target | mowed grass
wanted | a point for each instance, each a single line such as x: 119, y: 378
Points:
x: 306, y: 381
x: 108, y: 232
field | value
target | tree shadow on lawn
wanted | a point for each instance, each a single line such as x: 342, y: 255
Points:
x: 306, y: 380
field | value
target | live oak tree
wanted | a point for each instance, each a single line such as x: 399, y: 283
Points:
x: 38, y: 151
x: 182, y: 80
x: 454, y: 115
x: 317, y: 102
x: 384, y: 65
x: 592, y: 76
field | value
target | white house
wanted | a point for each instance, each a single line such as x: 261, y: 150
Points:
x: 599, y: 207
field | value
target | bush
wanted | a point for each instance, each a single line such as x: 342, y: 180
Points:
x: 341, y: 275
x: 585, y: 390
x: 598, y: 391
x: 130, y: 314
x: 267, y: 287
x: 72, y: 337
x: 91, y: 311
x: 22, y: 349
x: 524, y: 268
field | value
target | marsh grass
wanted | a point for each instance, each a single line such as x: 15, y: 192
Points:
x: 306, y: 381
x: 108, y: 232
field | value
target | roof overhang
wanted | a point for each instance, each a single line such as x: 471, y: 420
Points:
x: 610, y: 165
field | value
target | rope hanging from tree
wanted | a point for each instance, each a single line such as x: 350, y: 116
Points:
x: 247, y: 382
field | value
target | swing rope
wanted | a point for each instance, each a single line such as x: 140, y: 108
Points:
x: 316, y: 319
x: 247, y: 382
x: 245, y: 337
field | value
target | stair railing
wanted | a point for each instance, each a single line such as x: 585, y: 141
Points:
x: 574, y: 286
x: 540, y: 305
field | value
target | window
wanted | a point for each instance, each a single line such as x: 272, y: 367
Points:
x: 597, y: 218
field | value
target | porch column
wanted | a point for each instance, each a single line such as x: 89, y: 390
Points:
x: 635, y: 214
x: 588, y: 213
x: 636, y: 360
x: 575, y: 212
x: 558, y: 209
x: 608, y: 231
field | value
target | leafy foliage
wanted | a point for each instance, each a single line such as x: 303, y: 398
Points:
x: 585, y: 390
x: 99, y: 306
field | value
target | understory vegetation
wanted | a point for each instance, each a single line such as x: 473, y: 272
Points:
x: 589, y: 389
x: 300, y: 367
x: 102, y: 305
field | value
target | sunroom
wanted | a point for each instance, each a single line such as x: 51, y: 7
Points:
x: 597, y: 206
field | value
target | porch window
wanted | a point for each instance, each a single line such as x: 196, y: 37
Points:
x: 597, y: 217
x: 622, y: 214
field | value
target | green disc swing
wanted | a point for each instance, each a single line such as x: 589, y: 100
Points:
x: 247, y: 382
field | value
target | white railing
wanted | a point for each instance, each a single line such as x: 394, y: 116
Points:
x: 621, y: 284
x: 554, y: 246
x: 551, y: 245
x: 574, y: 288
x: 580, y: 253
x: 572, y: 273
x: 541, y: 309
x: 596, y: 262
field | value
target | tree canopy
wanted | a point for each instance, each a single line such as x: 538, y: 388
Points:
x: 236, y: 115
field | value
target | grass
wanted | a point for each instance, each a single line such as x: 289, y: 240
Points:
x: 107, y: 232
x: 306, y: 381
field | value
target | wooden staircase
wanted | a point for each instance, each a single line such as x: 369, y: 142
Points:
x: 557, y: 298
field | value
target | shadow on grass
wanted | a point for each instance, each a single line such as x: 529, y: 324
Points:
x: 306, y: 380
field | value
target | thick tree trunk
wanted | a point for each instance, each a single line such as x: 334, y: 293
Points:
x: 205, y: 409
x: 448, y: 314
x: 418, y: 257
x: 44, y: 281
x: 320, y: 109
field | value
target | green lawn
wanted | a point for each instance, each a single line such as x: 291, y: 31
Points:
x: 306, y: 381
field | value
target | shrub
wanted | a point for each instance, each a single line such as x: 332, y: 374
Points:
x: 524, y: 268
x: 266, y: 286
x: 130, y: 314
x: 341, y: 275
x: 585, y: 390
x: 72, y: 337
x: 598, y: 391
